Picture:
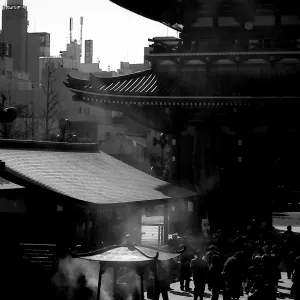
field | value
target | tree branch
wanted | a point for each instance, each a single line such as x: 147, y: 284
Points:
x: 44, y: 90
x: 53, y: 114
x: 52, y: 123
x: 53, y: 103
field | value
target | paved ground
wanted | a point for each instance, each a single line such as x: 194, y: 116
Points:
x: 283, y: 291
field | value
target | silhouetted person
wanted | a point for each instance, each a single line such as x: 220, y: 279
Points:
x: 290, y: 263
x: 162, y: 282
x: 173, y: 242
x: 289, y: 237
x: 199, y: 267
x: 296, y: 280
x: 212, y: 250
x: 254, y: 271
x: 83, y: 292
x: 233, y: 275
x: 215, y: 277
x: 185, y: 271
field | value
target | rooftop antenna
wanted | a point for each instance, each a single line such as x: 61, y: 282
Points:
x: 71, y: 28
x: 81, y: 26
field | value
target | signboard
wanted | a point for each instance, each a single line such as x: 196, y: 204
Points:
x: 5, y: 50
x: 44, y: 43
x: 88, y: 52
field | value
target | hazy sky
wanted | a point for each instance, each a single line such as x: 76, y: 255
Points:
x: 116, y: 32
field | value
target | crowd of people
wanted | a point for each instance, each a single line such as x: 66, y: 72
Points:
x: 248, y: 264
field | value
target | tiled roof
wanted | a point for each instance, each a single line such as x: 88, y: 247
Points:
x: 188, y: 89
x: 90, y: 176
x: 7, y: 185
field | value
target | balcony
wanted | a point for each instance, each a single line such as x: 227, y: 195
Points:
x: 208, y: 47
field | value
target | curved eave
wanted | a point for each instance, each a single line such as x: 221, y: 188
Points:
x: 182, y: 101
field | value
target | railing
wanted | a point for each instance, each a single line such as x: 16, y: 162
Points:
x: 152, y: 234
x: 42, y: 256
x: 162, y: 47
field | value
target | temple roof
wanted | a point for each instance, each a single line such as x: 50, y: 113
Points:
x: 189, y: 89
x: 81, y: 172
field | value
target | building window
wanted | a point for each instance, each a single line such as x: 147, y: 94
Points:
x: 80, y: 110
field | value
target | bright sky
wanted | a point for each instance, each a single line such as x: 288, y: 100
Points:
x: 117, y: 32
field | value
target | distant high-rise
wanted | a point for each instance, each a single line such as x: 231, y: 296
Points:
x: 88, y: 52
x: 14, y: 31
x: 44, y: 43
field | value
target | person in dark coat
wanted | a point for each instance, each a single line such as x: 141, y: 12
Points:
x: 289, y: 234
x: 233, y: 275
x: 215, y: 277
x: 83, y: 292
x: 162, y: 282
x: 290, y: 263
x: 295, y: 292
x: 212, y: 250
x: 254, y: 271
x: 185, y: 271
x: 199, y: 267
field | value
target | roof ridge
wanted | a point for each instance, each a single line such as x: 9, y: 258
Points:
x: 139, y: 73
x: 132, y: 134
x: 45, y: 145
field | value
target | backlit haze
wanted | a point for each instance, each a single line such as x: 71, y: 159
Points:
x: 117, y: 32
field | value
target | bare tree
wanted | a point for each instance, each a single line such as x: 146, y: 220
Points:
x: 52, y: 106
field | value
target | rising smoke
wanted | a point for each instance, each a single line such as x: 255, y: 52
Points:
x: 70, y: 269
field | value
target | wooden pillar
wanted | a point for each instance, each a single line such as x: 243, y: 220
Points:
x: 114, y: 281
x: 155, y: 277
x: 140, y: 271
x: 99, y: 283
x: 166, y: 222
x: 102, y: 269
x: 142, y: 286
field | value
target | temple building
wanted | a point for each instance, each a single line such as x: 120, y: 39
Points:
x: 226, y: 93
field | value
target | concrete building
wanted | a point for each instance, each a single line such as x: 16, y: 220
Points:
x: 90, y: 68
x: 25, y: 47
x: 73, y: 53
x: 128, y: 68
x: 33, y: 54
x: 44, y: 43
x: 14, y: 32
x: 88, y: 52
